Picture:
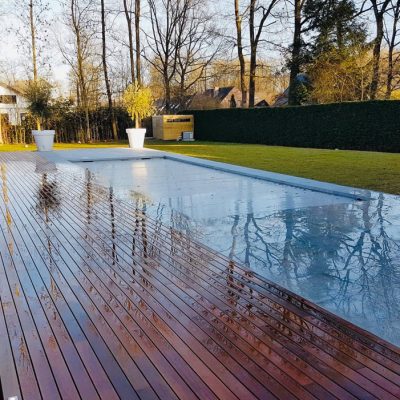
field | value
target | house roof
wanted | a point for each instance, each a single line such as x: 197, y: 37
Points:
x: 262, y: 103
x: 4, y: 85
x: 219, y: 93
x: 176, y: 105
x: 283, y: 99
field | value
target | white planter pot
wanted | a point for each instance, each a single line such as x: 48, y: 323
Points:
x: 136, y: 137
x: 44, y: 140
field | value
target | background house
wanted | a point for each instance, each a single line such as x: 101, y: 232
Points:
x: 223, y: 97
x: 13, y: 105
x: 282, y: 100
x: 218, y: 97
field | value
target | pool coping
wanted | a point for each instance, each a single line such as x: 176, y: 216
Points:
x: 125, y: 154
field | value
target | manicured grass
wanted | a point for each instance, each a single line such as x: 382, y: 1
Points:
x: 377, y: 171
x: 370, y: 170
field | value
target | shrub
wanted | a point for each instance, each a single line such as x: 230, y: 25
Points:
x: 38, y: 95
x: 138, y: 102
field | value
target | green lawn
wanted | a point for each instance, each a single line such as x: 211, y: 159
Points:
x: 377, y: 171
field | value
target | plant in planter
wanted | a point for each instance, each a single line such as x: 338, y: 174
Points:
x: 38, y: 95
x: 139, y: 104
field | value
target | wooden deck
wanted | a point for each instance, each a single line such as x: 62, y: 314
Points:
x: 99, y: 301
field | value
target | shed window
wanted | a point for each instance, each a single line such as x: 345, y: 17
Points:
x: 178, y: 120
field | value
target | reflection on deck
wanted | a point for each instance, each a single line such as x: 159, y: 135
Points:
x: 100, y: 301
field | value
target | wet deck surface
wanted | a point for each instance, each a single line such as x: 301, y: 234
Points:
x: 99, y: 301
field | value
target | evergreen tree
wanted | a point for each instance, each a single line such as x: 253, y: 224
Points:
x: 333, y: 26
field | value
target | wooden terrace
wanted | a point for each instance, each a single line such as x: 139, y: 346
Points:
x: 100, y: 301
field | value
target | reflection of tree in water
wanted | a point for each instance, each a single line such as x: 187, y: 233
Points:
x: 339, y: 256
x: 374, y: 257
x: 48, y: 203
x: 164, y: 215
x: 49, y: 197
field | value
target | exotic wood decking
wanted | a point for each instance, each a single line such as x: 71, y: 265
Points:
x: 99, y: 301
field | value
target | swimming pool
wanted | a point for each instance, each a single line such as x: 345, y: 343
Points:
x: 338, y: 252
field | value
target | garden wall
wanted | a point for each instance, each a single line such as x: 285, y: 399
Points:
x: 373, y: 126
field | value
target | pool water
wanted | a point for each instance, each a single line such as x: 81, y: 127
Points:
x: 340, y: 253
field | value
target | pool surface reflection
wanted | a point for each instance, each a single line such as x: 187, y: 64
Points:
x: 340, y: 253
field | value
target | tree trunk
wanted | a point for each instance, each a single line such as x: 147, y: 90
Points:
x: 137, y: 121
x: 392, y: 45
x: 81, y: 73
x: 78, y: 94
x: 253, y: 56
x: 33, y: 41
x: 252, y: 77
x: 130, y: 37
x: 1, y: 130
x: 167, y: 92
x: 87, y: 122
x: 389, y: 78
x: 296, y: 51
x: 242, y: 63
x: 138, y: 47
x: 105, y: 69
x: 339, y: 36
x: 376, y: 56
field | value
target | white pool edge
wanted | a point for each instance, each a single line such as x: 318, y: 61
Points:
x: 117, y: 154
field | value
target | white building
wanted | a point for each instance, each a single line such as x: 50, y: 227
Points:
x: 13, y: 106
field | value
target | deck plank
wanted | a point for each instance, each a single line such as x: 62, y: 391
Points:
x: 223, y: 391
x: 100, y: 301
x: 36, y: 337
x: 363, y: 393
x: 107, y: 346
x: 55, y: 306
x: 94, y: 239
x: 9, y: 382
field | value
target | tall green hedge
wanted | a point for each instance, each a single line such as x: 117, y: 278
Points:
x: 373, y: 125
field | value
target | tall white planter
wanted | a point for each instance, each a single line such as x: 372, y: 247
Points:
x: 44, y: 140
x: 136, y: 137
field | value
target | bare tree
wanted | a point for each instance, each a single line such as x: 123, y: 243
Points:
x: 105, y: 70
x: 379, y: 8
x: 79, y: 53
x: 168, y: 19
x: 295, y: 60
x: 256, y: 29
x: 32, y: 32
x: 33, y: 40
x: 128, y: 17
x: 132, y: 11
x: 201, y: 44
x: 77, y: 20
x: 239, y: 43
x: 138, y: 43
x: 392, y: 40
